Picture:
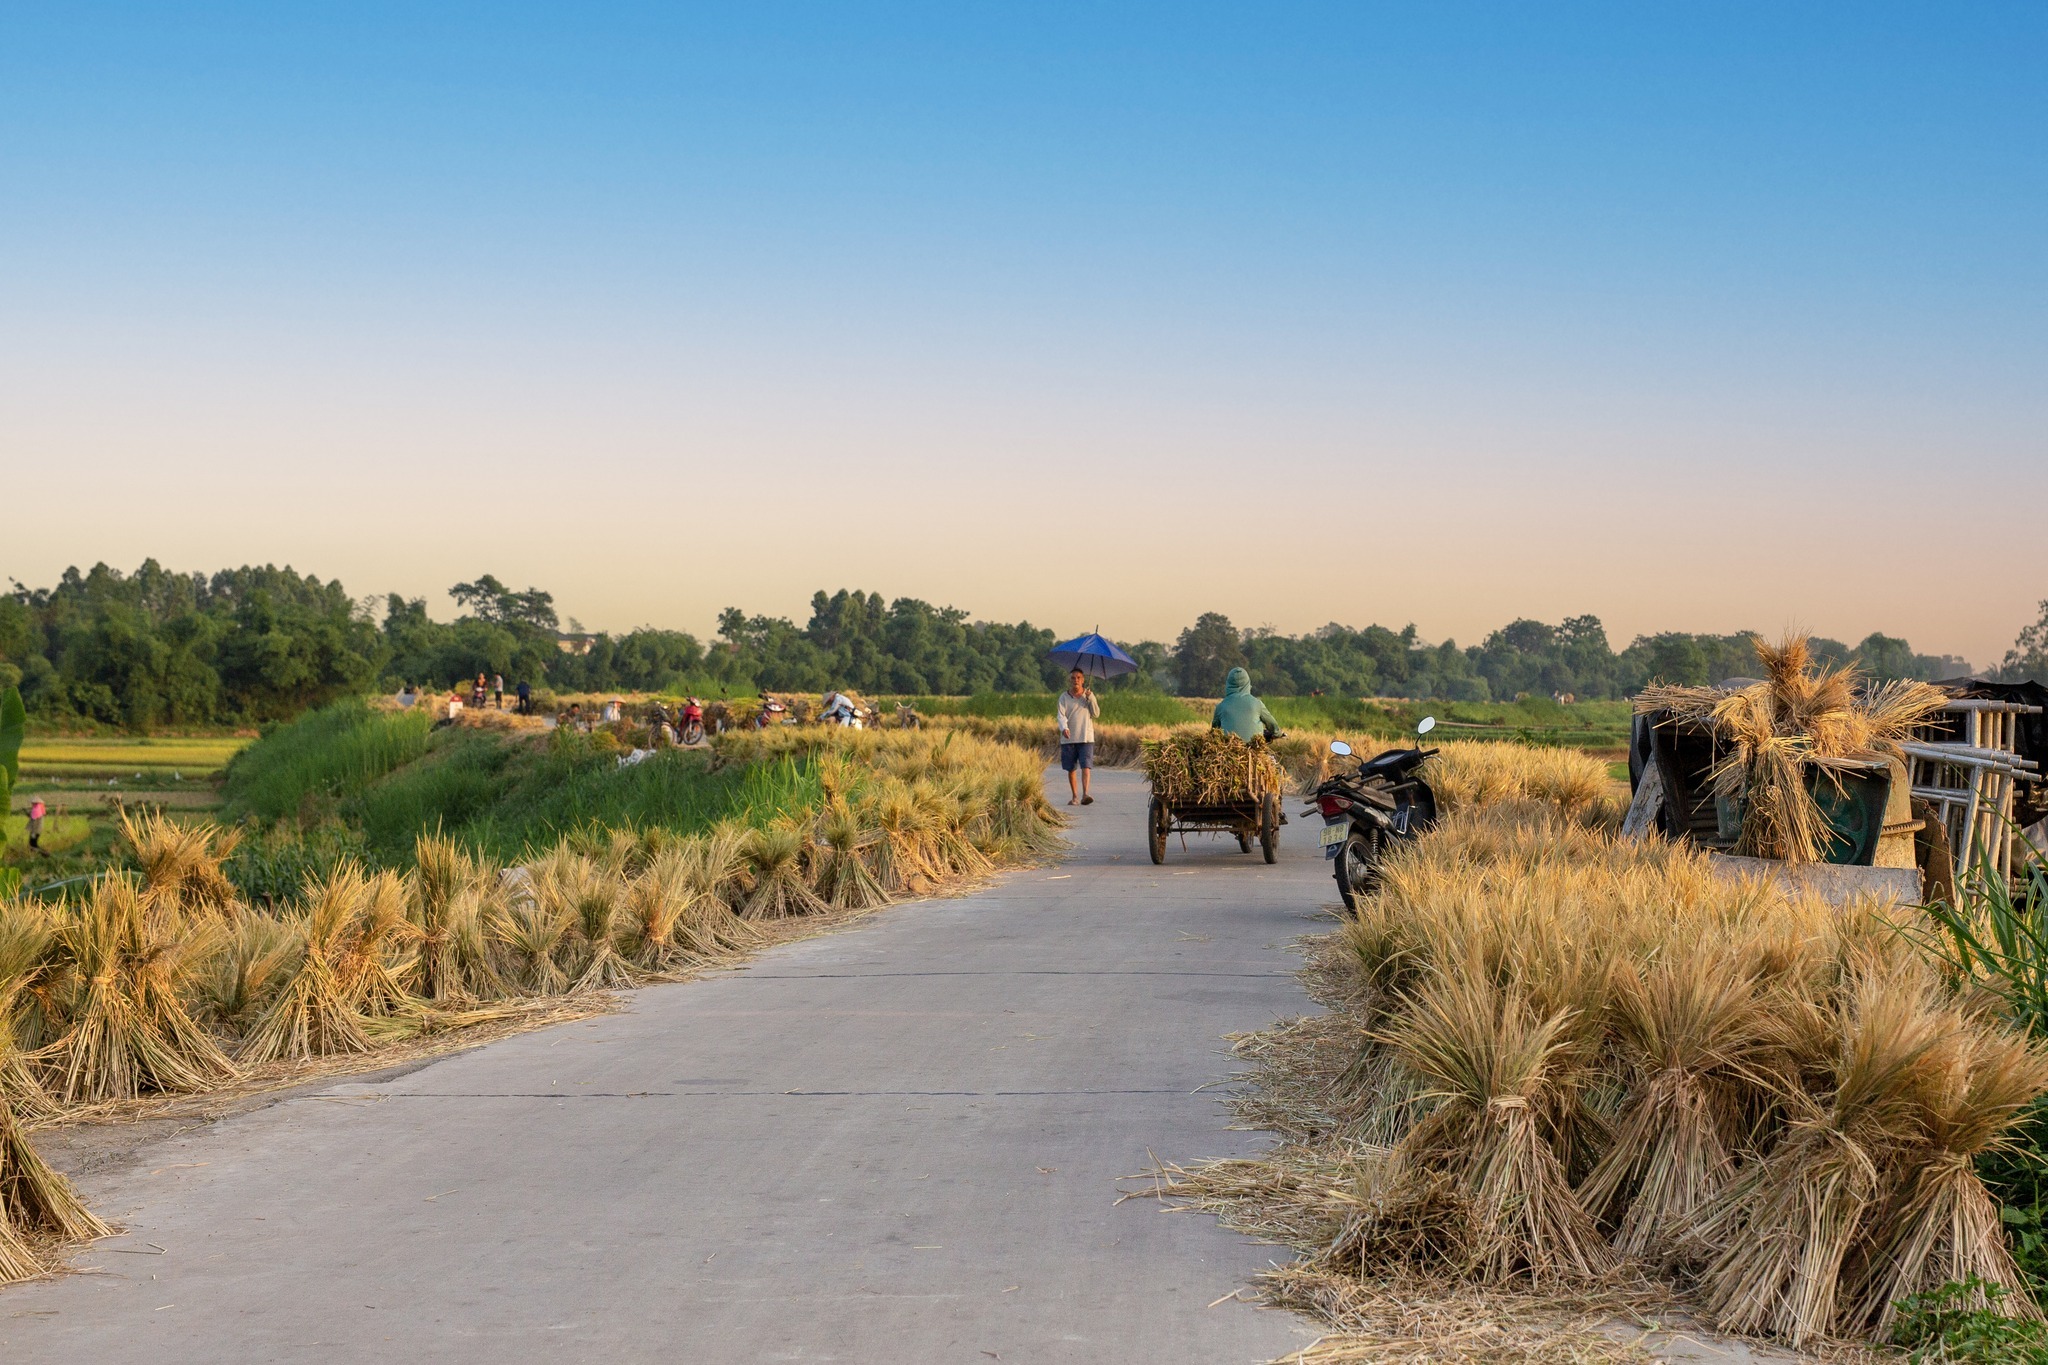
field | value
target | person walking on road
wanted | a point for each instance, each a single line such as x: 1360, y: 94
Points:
x: 498, y: 690
x: 35, y: 825
x: 1078, y: 710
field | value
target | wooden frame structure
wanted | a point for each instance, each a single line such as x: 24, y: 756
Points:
x: 1971, y: 782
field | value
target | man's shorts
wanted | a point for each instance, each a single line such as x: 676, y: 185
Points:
x: 1074, y: 756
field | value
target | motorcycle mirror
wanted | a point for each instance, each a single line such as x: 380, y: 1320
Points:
x: 1339, y: 747
x: 1428, y: 724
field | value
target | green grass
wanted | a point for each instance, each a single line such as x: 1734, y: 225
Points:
x: 1538, y: 720
x: 321, y: 756
x: 506, y: 798
x: 368, y: 783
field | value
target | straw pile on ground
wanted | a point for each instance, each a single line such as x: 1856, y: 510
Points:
x: 161, y: 981
x: 1209, y: 767
x: 1559, y: 1061
x: 1802, y: 718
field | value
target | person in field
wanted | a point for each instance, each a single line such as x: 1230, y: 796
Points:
x: 1078, y: 710
x: 498, y: 691
x: 1241, y: 713
x: 35, y: 826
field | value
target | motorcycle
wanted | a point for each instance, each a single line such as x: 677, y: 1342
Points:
x: 1365, y: 810
x: 693, y: 722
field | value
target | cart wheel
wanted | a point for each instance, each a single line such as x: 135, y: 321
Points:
x: 1269, y: 827
x: 1244, y: 841
x: 1156, y: 821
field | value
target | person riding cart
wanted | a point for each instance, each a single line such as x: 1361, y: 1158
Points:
x: 1243, y: 714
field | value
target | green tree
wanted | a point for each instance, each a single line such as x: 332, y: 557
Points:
x: 1205, y: 652
x: 2027, y: 660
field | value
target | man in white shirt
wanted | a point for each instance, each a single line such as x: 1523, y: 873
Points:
x: 1078, y: 709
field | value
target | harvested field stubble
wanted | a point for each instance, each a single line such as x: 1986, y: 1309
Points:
x: 163, y: 983
x: 1557, y: 1062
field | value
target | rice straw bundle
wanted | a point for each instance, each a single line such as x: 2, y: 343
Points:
x: 781, y: 881
x: 531, y: 933
x: 240, y: 978
x: 1691, y: 1029
x: 955, y: 811
x: 654, y: 905
x: 848, y: 882
x: 316, y: 1013
x: 1943, y: 1226
x: 450, y: 899
x: 1785, y: 1227
x: 573, y: 887
x: 1192, y: 766
x: 128, y: 1032
x: 713, y: 868
x: 1802, y: 717
x: 903, y: 854
x: 1494, y: 1067
x: 35, y: 1201
x: 181, y: 864
x: 26, y: 937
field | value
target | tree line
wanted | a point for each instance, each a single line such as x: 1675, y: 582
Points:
x: 243, y: 646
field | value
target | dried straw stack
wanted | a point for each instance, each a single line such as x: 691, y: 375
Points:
x: 1804, y: 716
x: 1210, y: 767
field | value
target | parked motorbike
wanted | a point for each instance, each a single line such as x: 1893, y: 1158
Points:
x: 1365, y: 810
x: 693, y: 722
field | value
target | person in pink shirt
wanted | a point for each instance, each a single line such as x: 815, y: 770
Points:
x: 35, y: 825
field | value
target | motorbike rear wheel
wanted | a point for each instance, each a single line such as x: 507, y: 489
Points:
x: 1358, y: 866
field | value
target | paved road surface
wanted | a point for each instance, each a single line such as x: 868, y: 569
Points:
x: 892, y: 1144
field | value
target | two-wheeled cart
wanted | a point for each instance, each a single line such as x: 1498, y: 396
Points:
x: 1249, y: 818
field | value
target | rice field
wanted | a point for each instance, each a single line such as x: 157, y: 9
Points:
x: 148, y: 758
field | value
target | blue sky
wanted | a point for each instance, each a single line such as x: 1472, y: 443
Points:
x: 1006, y: 306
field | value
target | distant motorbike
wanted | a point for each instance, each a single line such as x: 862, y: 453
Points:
x: 1366, y: 810
x: 693, y: 722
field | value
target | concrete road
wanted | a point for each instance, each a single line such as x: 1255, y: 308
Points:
x: 897, y: 1143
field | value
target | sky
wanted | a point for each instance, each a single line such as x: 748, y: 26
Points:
x: 1693, y: 317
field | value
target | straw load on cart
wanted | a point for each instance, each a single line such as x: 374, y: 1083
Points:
x: 1210, y: 781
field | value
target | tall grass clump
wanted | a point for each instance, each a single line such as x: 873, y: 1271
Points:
x: 322, y: 755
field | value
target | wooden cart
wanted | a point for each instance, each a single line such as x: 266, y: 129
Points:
x: 1255, y: 817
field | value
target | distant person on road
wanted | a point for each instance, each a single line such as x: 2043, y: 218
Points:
x: 1078, y: 710
x: 1241, y: 713
x: 498, y: 690
x: 477, y: 693
x: 35, y: 826
x: 525, y: 698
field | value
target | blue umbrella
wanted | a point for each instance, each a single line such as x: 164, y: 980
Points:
x: 1093, y: 655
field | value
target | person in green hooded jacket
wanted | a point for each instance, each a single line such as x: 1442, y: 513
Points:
x: 1241, y: 713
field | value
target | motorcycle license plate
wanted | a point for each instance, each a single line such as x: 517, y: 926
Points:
x: 1333, y: 837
